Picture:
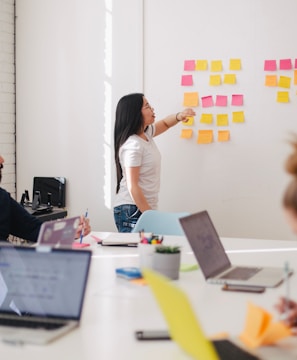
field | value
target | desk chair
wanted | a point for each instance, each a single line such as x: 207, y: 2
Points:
x: 160, y: 222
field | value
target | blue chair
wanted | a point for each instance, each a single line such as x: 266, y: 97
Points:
x: 160, y: 222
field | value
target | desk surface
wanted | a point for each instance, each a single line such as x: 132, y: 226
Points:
x: 115, y: 308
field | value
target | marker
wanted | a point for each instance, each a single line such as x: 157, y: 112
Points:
x: 82, y: 231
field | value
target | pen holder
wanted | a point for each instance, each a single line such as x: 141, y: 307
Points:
x: 146, y: 252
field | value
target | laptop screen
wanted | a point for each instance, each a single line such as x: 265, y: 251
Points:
x: 43, y: 282
x: 205, y: 243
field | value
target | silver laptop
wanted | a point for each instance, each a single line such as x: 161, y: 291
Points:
x: 214, y: 262
x: 58, y: 233
x: 41, y: 292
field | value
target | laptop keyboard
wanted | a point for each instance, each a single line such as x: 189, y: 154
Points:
x: 31, y: 324
x: 241, y: 273
x: 229, y: 351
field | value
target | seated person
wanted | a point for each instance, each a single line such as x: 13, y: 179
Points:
x: 288, y: 306
x: 16, y: 221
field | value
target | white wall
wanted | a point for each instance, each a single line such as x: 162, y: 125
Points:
x: 7, y: 94
x: 240, y: 182
x: 65, y: 112
x: 74, y: 59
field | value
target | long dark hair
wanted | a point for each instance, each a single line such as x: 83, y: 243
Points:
x: 128, y: 122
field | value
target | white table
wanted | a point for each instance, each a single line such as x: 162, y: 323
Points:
x: 115, y: 308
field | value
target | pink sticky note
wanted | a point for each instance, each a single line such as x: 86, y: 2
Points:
x: 270, y: 65
x: 77, y: 245
x: 207, y: 101
x: 295, y: 67
x: 189, y: 65
x: 237, y: 100
x: 221, y: 100
x: 187, y: 80
x: 285, y: 64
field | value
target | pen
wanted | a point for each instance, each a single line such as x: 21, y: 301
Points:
x: 286, y: 271
x: 82, y: 230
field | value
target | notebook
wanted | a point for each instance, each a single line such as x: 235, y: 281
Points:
x: 121, y: 239
x: 58, y: 233
x: 214, y: 262
x: 184, y: 327
x: 41, y: 292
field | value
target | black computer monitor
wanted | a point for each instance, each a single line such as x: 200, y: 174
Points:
x: 54, y: 185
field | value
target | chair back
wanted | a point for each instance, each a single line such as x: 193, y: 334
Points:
x: 160, y: 222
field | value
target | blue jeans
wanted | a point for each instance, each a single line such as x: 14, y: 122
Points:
x: 125, y: 217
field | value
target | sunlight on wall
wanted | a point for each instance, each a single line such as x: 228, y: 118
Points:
x: 108, y: 104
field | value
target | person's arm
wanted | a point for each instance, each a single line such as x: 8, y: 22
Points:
x: 171, y: 120
x: 132, y: 177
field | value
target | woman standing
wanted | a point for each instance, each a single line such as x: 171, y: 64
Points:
x: 137, y: 157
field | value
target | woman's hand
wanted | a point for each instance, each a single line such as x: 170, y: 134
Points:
x: 183, y: 116
x: 288, y: 311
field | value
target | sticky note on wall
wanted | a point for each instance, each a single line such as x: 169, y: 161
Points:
x: 223, y: 135
x: 205, y: 136
x: 186, y: 133
x: 190, y: 99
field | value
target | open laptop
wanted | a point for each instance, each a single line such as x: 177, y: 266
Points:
x: 41, y: 292
x: 58, y: 233
x: 214, y: 262
x: 184, y: 327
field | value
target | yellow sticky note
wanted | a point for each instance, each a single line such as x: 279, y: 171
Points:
x: 214, y: 80
x: 282, y: 97
x: 223, y: 135
x: 189, y: 122
x: 238, y: 117
x: 190, y: 99
x: 295, y: 77
x: 284, y: 81
x: 235, y: 64
x: 201, y: 65
x: 206, y: 118
x: 216, y: 65
x: 222, y: 119
x: 186, y: 133
x: 205, y: 136
x: 270, y: 80
x: 230, y: 79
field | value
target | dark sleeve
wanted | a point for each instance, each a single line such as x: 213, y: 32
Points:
x: 15, y: 220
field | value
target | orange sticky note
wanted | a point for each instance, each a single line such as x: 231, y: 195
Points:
x: 259, y: 328
x: 270, y: 80
x: 190, y: 99
x: 205, y: 136
x: 295, y: 77
x: 186, y: 133
x: 223, y: 135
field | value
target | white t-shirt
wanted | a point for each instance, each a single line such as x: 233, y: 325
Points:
x: 139, y: 152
